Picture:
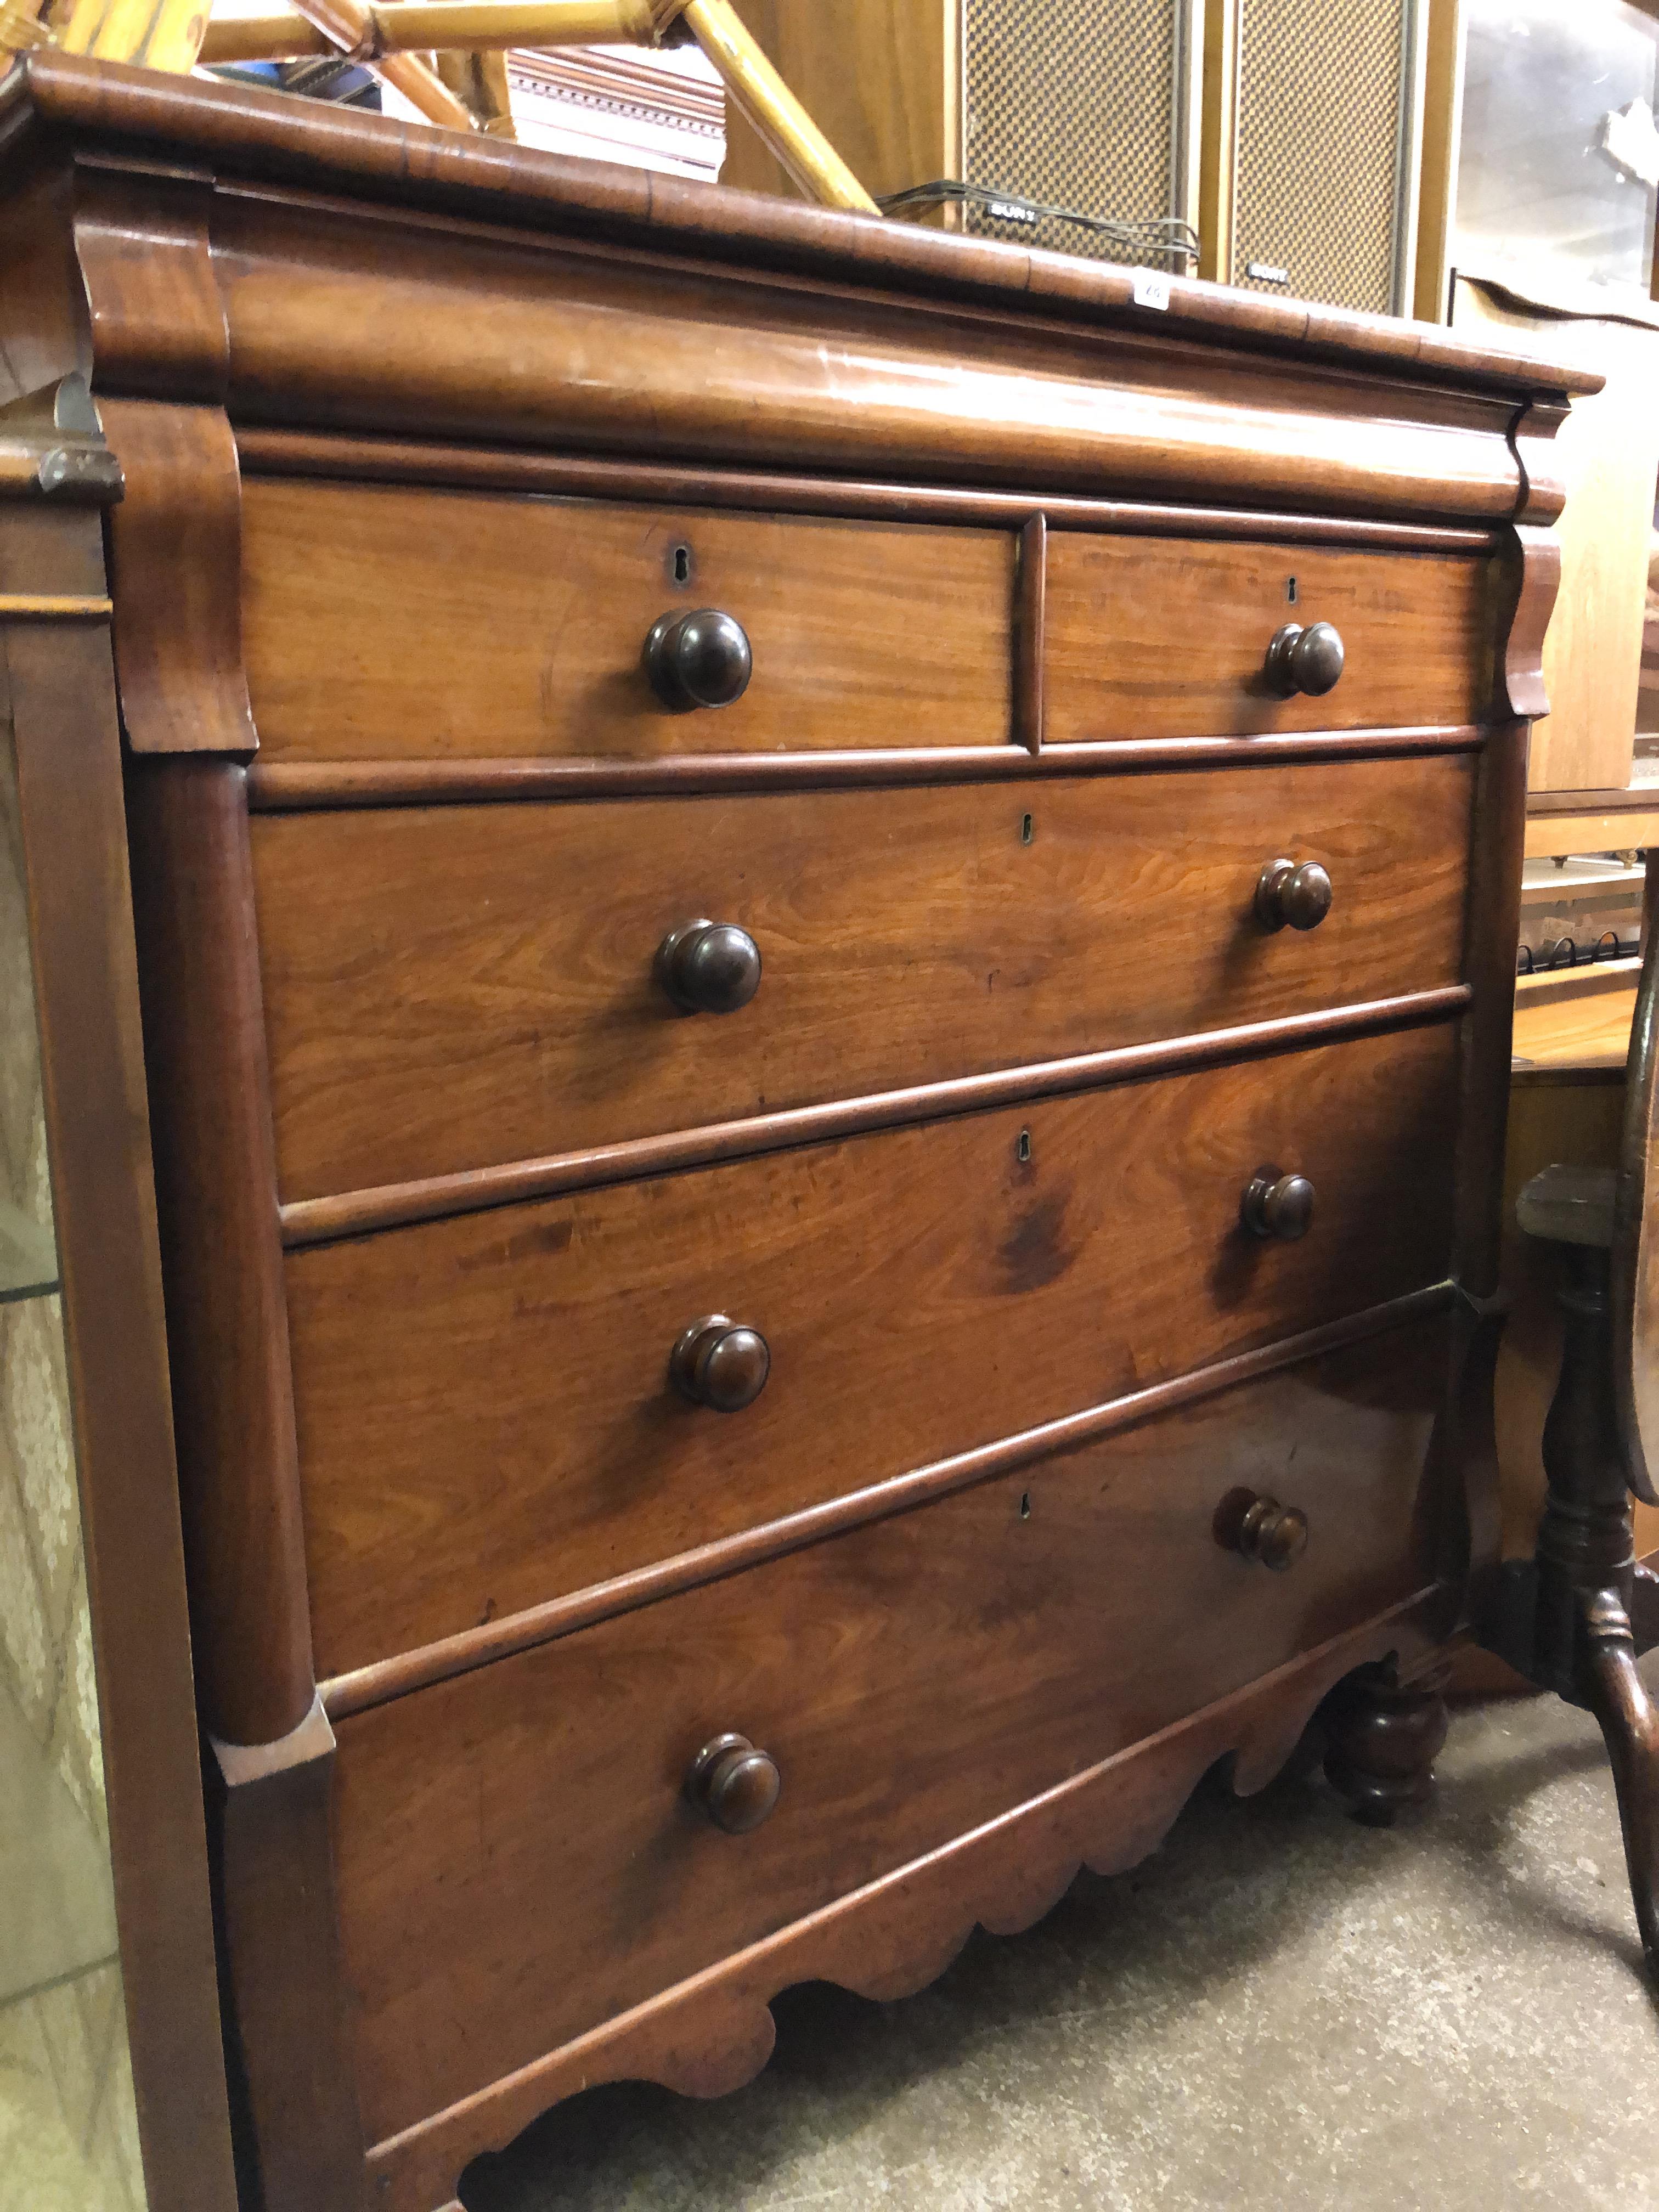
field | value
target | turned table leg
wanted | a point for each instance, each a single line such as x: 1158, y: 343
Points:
x: 1618, y: 1697
x: 1383, y: 1743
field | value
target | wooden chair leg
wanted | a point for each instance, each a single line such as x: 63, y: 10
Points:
x: 1618, y: 1697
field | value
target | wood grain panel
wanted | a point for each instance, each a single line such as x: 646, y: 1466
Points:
x: 516, y: 1862
x: 454, y: 987
x: 880, y: 78
x: 486, y: 1418
x: 1153, y: 637
x: 266, y: 451
x: 450, y: 624
x: 708, y: 2036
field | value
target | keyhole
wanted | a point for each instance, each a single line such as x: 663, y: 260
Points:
x: 1025, y: 828
x: 1290, y: 591
x: 682, y: 564
x: 1023, y: 1149
x: 1025, y: 1504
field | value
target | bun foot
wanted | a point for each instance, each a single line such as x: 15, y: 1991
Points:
x: 1383, y: 1741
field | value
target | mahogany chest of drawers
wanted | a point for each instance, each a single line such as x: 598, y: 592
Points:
x: 825, y: 920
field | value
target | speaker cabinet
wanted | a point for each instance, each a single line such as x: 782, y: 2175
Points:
x: 1082, y: 104
x: 1290, y: 132
x: 966, y: 106
x: 1311, y: 134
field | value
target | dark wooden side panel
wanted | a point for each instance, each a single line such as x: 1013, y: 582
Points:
x: 448, y: 988
x: 1153, y: 636
x: 215, y: 1179
x: 486, y: 1417
x: 383, y: 621
x: 58, y: 701
x: 517, y: 1863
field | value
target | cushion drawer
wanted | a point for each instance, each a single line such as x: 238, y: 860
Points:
x: 486, y: 1415
x: 1165, y: 637
x: 517, y: 1861
x: 459, y: 624
x: 454, y: 988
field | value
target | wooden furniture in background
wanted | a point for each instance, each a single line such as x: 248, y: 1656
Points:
x: 1576, y: 1617
x: 884, y: 77
x: 1608, y: 455
x: 62, y: 801
x: 728, y: 1264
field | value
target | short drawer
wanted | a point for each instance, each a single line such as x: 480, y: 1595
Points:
x: 453, y: 987
x: 517, y: 1862
x: 452, y: 624
x: 1164, y: 637
x: 487, y: 1415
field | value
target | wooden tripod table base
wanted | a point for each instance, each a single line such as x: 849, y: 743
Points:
x: 1576, y: 1618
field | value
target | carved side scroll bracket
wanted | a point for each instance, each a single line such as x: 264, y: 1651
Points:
x: 160, y: 369
x: 1535, y: 577
x: 157, y: 321
x: 1535, y: 561
x: 176, y: 576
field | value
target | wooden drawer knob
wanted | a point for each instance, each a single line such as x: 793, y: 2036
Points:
x: 709, y: 967
x: 1308, y: 660
x: 736, y: 1785
x: 1277, y: 1206
x: 1293, y: 895
x: 1262, y: 1530
x: 698, y: 660
x: 719, y: 1363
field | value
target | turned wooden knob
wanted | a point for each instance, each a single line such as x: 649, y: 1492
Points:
x: 1293, y: 895
x: 1277, y: 1206
x: 1308, y: 660
x: 736, y: 1785
x: 1262, y: 1530
x: 719, y: 1363
x: 709, y: 967
x: 701, y: 659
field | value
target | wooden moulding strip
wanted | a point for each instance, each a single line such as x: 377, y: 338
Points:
x: 355, y: 1213
x: 1548, y: 987
x: 1031, y: 600
x: 388, y: 460
x: 472, y: 1647
x: 276, y: 787
x: 1552, y: 836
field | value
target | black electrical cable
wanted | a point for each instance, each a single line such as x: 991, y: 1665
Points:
x: 1156, y: 235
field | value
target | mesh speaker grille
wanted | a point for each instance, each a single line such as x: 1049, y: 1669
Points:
x: 1321, y: 85
x: 1073, y: 102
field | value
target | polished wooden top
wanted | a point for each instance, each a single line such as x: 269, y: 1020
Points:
x: 270, y: 136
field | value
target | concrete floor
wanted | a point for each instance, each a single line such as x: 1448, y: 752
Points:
x: 1280, y: 2009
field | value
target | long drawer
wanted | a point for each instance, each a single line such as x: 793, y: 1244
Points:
x: 486, y: 1416
x: 517, y: 1861
x: 1164, y: 637
x: 447, y: 623
x: 453, y: 987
